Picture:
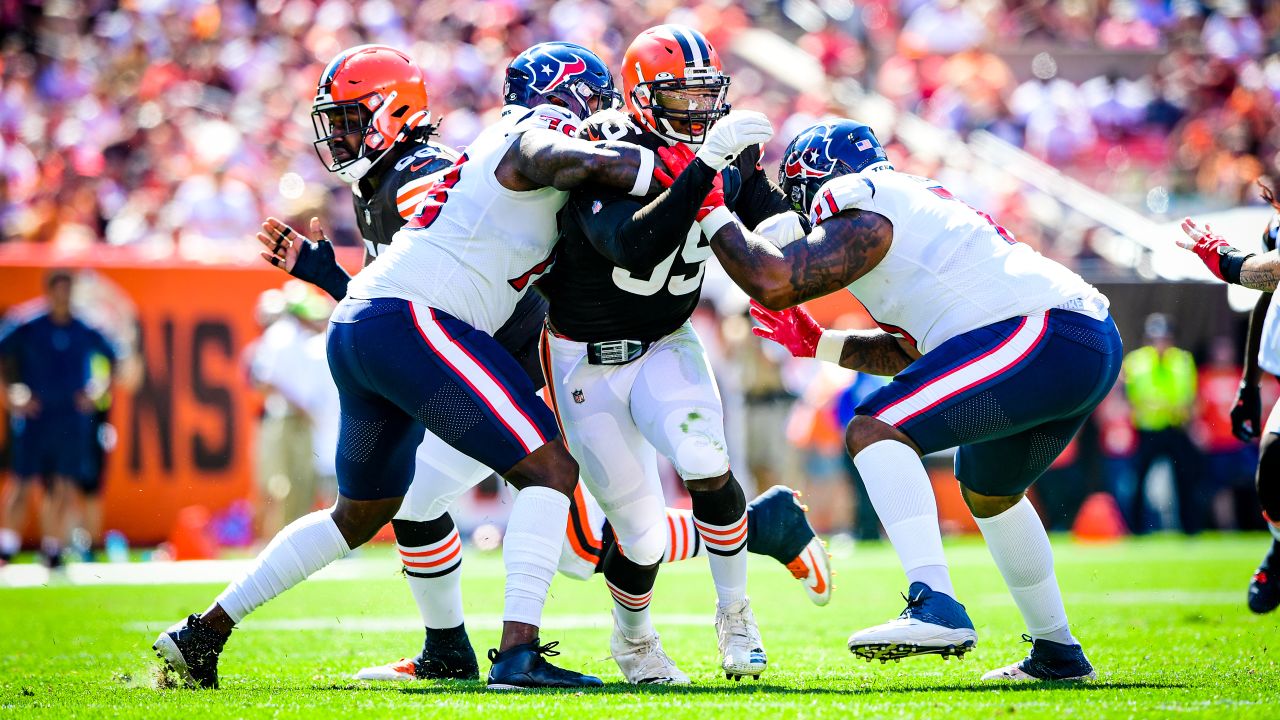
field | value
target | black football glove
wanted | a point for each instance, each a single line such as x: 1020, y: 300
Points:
x: 1246, y: 416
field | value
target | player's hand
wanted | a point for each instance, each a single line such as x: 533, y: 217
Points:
x: 663, y: 174
x: 281, y: 243
x: 732, y: 134
x: 676, y: 157
x: 783, y: 228
x: 1208, y: 246
x: 793, y: 328
x: 1246, y: 416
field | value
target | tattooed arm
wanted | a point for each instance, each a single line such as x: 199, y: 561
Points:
x: 869, y: 351
x: 837, y: 252
x: 1261, y: 272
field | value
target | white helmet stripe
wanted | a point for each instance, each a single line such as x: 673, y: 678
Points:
x: 699, y: 60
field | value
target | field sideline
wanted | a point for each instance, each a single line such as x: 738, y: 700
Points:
x: 1163, y: 619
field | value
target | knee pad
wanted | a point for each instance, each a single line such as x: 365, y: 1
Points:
x: 647, y: 547
x: 699, y: 457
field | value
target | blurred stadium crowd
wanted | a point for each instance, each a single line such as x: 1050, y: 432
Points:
x: 174, y: 126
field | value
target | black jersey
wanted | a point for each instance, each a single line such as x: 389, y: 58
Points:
x: 386, y: 198
x: 594, y: 298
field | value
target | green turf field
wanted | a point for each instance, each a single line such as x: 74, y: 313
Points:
x: 1163, y: 620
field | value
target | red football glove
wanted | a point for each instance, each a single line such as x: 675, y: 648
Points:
x: 793, y: 328
x: 677, y: 157
x: 1209, y: 247
x: 714, y: 199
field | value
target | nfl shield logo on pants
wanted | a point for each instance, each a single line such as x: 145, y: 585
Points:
x: 578, y: 397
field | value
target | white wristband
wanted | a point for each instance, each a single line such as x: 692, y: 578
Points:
x: 715, y: 220
x: 644, y: 176
x: 831, y: 346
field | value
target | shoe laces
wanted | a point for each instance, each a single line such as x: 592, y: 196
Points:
x: 737, y: 625
x: 912, y: 604
x: 544, y: 651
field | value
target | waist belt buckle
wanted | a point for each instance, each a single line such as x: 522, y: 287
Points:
x: 614, y: 352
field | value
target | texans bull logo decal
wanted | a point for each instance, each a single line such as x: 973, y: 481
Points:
x: 549, y: 73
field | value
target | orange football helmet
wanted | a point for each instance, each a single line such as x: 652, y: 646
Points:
x: 369, y: 98
x: 673, y: 83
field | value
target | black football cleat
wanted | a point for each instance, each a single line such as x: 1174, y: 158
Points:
x: 1264, y: 591
x: 446, y: 655
x: 525, y: 667
x: 1048, y: 661
x: 190, y: 649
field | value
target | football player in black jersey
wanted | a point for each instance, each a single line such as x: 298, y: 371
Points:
x: 387, y: 190
x: 627, y: 374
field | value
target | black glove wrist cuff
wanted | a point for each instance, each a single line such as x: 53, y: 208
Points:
x: 1230, y: 264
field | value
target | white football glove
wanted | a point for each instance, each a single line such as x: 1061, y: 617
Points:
x: 732, y: 134
x: 783, y: 228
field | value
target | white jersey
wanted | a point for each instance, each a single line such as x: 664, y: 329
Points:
x: 950, y: 268
x: 474, y: 247
x: 1269, y: 349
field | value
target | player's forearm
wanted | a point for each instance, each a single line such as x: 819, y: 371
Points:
x: 1253, y: 340
x: 829, y: 258
x: 657, y: 228
x: 874, y: 352
x: 564, y: 163
x: 1261, y: 272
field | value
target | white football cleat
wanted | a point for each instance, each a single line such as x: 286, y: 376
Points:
x: 933, y: 623
x: 812, y: 567
x: 643, y: 662
x: 403, y: 670
x: 741, y: 650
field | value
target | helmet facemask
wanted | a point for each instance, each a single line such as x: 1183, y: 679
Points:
x: 683, y: 109
x: 348, y: 139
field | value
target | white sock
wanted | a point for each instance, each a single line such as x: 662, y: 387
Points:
x: 300, y: 549
x: 683, y: 541
x: 1020, y: 546
x: 10, y: 541
x: 631, y: 612
x: 434, y: 573
x: 902, y: 495
x: 727, y: 556
x: 531, y: 551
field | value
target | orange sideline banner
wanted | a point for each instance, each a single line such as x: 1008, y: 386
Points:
x: 186, y: 433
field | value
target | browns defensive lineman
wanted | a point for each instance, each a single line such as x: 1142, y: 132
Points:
x: 628, y: 375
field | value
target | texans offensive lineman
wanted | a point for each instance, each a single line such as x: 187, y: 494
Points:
x: 992, y: 347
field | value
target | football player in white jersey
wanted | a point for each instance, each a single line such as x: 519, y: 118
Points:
x: 992, y: 347
x: 410, y: 347
x: 1262, y: 352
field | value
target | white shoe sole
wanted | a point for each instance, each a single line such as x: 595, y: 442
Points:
x: 1015, y: 674
x: 167, y: 650
x: 884, y: 647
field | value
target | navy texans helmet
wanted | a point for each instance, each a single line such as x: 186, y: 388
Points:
x: 825, y: 151
x: 563, y: 74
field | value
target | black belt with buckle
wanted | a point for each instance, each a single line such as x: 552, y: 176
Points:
x: 616, y: 352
